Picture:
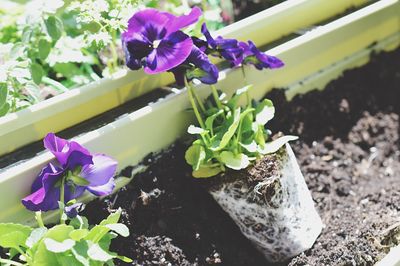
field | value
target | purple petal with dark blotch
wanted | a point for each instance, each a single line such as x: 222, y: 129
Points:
x: 101, y: 171
x: 150, y: 23
x: 178, y: 23
x: 103, y: 190
x: 201, y: 61
x: 171, y: 52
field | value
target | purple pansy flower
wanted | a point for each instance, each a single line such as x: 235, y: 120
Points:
x: 251, y: 55
x: 154, y: 40
x: 197, y: 65
x: 80, y: 169
x: 226, y: 48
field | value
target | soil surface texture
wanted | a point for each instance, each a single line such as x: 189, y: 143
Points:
x: 349, y: 153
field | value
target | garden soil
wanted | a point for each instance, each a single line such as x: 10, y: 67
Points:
x: 349, y: 153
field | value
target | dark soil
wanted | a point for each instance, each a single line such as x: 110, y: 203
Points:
x: 349, y: 152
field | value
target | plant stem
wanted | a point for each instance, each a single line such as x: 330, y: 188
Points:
x: 194, y: 105
x: 11, y: 262
x: 62, y: 199
x: 92, y: 74
x: 246, y: 84
x: 57, y: 85
x: 200, y: 102
x: 39, y: 219
x: 216, y: 97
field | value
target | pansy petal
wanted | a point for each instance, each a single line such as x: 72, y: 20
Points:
x: 130, y: 60
x: 177, y: 23
x: 150, y: 23
x: 265, y: 60
x: 103, y: 190
x: 209, y: 73
x: 42, y: 200
x: 208, y: 36
x: 48, y: 169
x: 171, y: 52
x: 78, y: 158
x: 101, y: 171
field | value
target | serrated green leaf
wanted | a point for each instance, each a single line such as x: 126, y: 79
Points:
x: 236, y: 162
x: 80, y: 252
x: 95, y: 252
x: 119, y: 228
x: 265, y: 111
x: 54, y: 27
x: 44, y: 48
x: 79, y: 222
x: 14, y: 235
x: 195, y: 156
x: 275, y: 145
x: 37, y: 73
x: 58, y: 247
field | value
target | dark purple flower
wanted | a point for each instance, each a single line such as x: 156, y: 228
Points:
x: 198, y: 66
x: 80, y: 169
x: 251, y: 55
x: 226, y: 48
x: 154, y: 40
x: 72, y: 210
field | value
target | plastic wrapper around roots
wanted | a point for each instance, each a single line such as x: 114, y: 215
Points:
x: 278, y: 215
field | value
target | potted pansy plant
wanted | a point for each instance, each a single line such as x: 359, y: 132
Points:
x: 253, y: 175
x: 72, y: 241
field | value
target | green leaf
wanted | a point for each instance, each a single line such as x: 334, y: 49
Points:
x: 95, y: 252
x: 44, y: 48
x: 275, y: 145
x: 4, y: 110
x: 37, y: 73
x: 58, y: 247
x: 236, y: 162
x: 195, y: 156
x: 78, y: 234
x: 79, y: 222
x: 265, y: 111
x: 252, y: 147
x: 231, y: 130
x: 54, y: 27
x: 80, y: 253
x: 35, y: 236
x: 78, y: 180
x: 3, y: 94
x: 210, y: 121
x: 244, y: 89
x: 119, y: 228
x: 196, y: 130
x: 206, y: 171
x: 14, y: 235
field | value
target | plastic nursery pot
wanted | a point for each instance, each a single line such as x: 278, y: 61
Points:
x: 271, y: 204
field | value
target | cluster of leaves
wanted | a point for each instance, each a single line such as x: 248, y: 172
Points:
x: 75, y: 243
x: 232, y: 136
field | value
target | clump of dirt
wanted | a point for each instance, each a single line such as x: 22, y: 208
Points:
x: 349, y: 153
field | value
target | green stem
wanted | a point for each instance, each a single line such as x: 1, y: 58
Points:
x: 245, y: 84
x: 216, y: 97
x: 62, y: 199
x: 199, y: 101
x: 39, y: 219
x: 194, y: 105
x: 91, y: 72
x: 113, y: 52
x: 11, y: 262
x: 57, y: 85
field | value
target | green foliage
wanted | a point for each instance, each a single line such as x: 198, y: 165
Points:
x: 72, y: 244
x: 233, y: 137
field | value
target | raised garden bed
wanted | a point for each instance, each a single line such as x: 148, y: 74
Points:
x: 80, y: 104
x: 349, y: 154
